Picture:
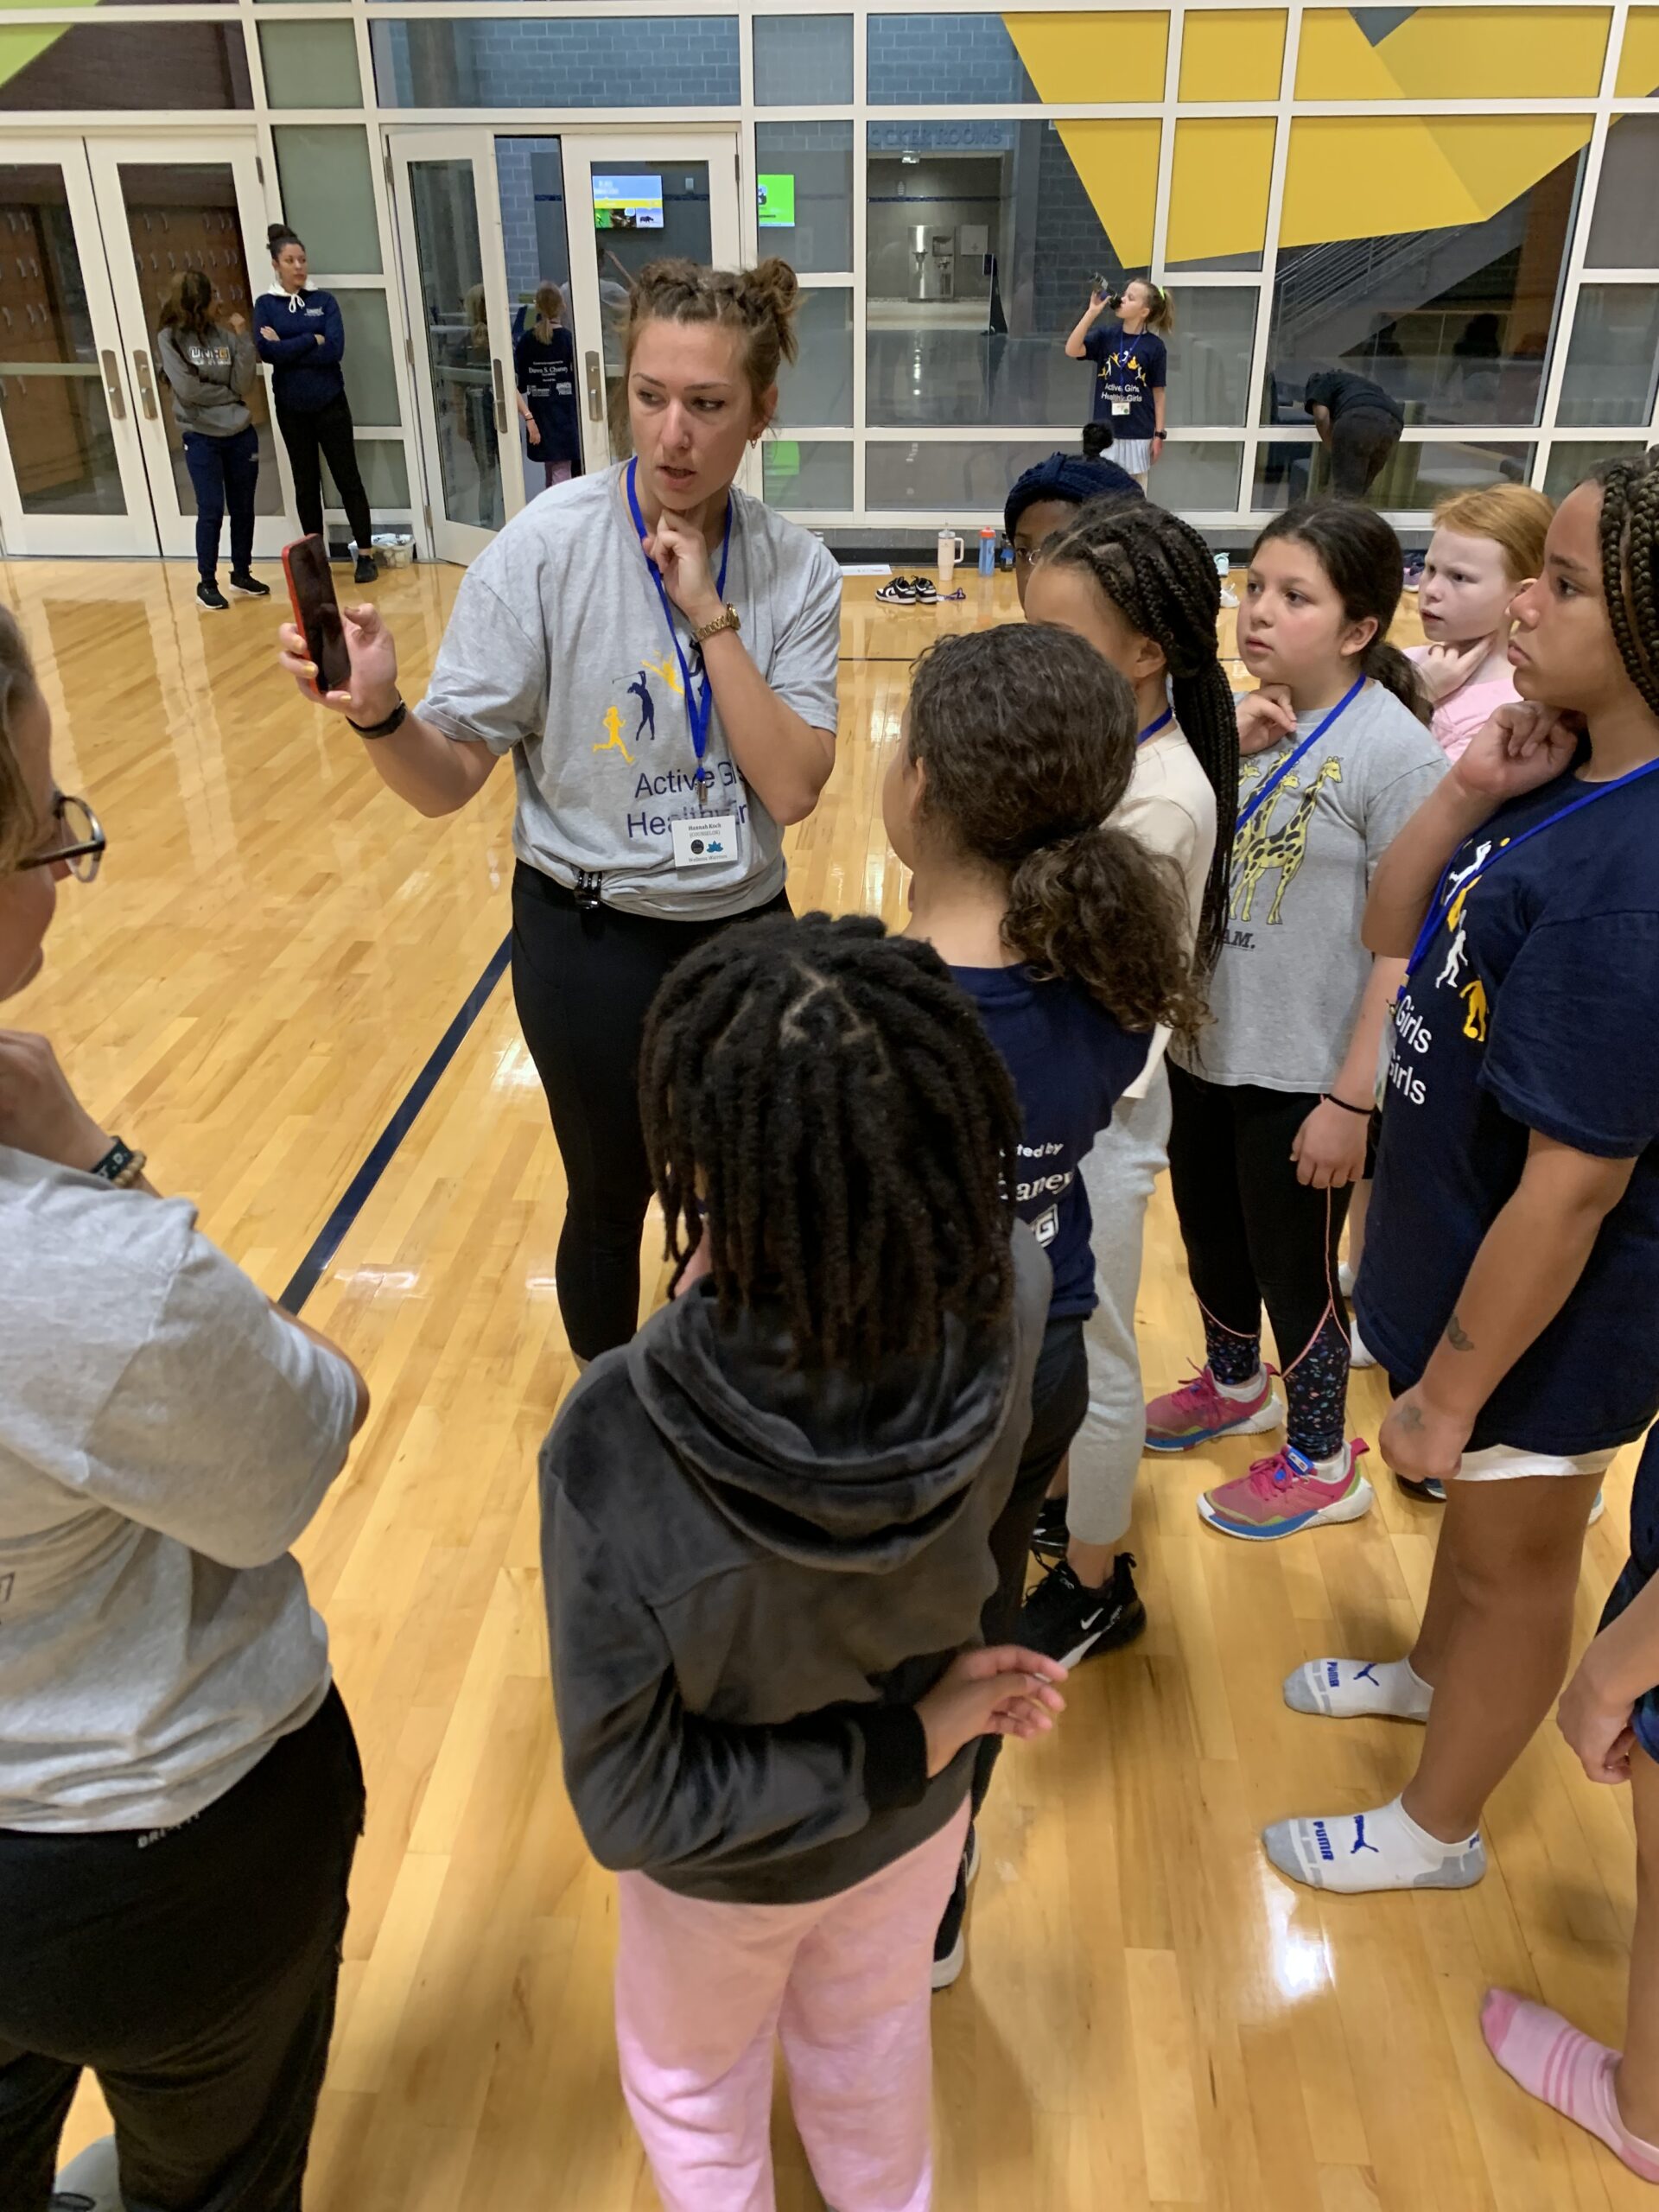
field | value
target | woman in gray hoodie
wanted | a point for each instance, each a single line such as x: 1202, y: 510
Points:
x: 211, y: 367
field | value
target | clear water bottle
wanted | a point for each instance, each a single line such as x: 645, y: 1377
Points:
x: 988, y: 549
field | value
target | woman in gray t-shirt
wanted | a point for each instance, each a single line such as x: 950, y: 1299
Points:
x: 180, y: 1795
x: 657, y: 653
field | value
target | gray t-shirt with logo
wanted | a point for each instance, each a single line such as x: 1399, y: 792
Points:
x: 1287, y: 988
x: 558, y: 652
x: 164, y: 1437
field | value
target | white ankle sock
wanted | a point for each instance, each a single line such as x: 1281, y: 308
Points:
x: 1347, y: 1689
x: 1253, y: 1388
x: 1383, y: 1849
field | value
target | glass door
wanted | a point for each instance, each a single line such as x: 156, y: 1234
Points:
x: 455, y: 285
x: 200, y: 208
x: 72, y: 468
x: 637, y: 196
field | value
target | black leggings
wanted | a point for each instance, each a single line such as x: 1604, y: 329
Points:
x: 193, y: 1969
x: 311, y: 439
x: 1254, y: 1233
x: 583, y: 981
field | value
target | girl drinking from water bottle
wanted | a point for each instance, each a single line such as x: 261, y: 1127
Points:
x: 1131, y: 369
x: 1272, y: 1106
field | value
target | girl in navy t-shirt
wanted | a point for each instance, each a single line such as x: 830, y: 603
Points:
x: 1131, y: 366
x: 1511, y: 1269
x: 544, y: 371
x: 1071, y: 937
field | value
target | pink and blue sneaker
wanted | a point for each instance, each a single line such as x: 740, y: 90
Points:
x: 1200, y: 1411
x: 1289, y: 1492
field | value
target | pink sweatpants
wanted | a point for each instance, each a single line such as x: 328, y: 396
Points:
x: 844, y: 1984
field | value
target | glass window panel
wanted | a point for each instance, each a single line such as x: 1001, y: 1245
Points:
x: 124, y: 66
x: 926, y: 61
x: 311, y: 64
x: 966, y: 478
x: 802, y: 61
x: 1202, y: 477
x: 1377, y: 274
x: 1612, y: 362
x: 542, y: 61
x: 371, y: 378
x: 327, y: 189
x: 1441, y: 53
x: 57, y: 426
x: 49, y: 320
x: 1571, y: 462
x: 983, y: 241
x: 1218, y: 192
x: 1209, y: 352
x: 384, y: 466
x: 1232, y: 53
x: 1414, y: 479
x: 816, y: 160
x: 1625, y: 233
x: 1638, y: 61
x: 450, y: 275
x: 52, y: 405
x: 807, y: 472
x: 817, y: 391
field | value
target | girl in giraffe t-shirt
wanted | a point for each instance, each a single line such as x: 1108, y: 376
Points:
x: 1272, y: 1105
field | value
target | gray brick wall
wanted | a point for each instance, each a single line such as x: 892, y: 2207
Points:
x: 623, y: 62
x: 930, y: 60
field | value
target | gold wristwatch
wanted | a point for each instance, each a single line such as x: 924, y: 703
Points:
x: 729, y: 620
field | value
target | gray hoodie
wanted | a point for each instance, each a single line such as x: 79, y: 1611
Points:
x: 210, y: 378
x: 752, y: 1572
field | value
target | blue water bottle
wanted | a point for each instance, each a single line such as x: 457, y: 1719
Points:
x: 988, y: 549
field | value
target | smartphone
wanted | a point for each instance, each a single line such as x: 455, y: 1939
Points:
x: 317, y: 611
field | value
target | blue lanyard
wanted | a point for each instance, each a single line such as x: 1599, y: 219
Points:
x: 1259, y: 798
x: 1439, y: 905
x: 699, y: 711
x: 1152, y: 728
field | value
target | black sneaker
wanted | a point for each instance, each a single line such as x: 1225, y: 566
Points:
x: 366, y: 572
x: 249, y: 585
x: 1051, y: 1538
x: 926, y: 591
x: 901, y: 592
x: 1429, y: 1492
x: 211, y: 597
x: 950, y: 1943
x: 1069, y: 1623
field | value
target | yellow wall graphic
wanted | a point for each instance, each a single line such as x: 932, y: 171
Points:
x: 22, y: 44
x: 1218, y: 188
x: 1232, y: 53
x: 1364, y: 176
x: 1445, y: 54
x: 1092, y: 57
x: 1639, y: 61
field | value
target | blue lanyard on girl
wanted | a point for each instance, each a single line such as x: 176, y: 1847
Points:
x: 699, y: 708
x: 1152, y: 728
x: 1441, y: 903
x: 1259, y: 799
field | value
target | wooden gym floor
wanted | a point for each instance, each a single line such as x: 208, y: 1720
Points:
x: 1149, y: 2018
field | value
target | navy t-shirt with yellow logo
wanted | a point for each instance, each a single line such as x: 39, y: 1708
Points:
x: 1128, y: 368
x: 1534, y: 1006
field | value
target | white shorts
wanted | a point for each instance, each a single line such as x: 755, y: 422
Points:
x: 1131, y: 454
x: 1507, y: 1463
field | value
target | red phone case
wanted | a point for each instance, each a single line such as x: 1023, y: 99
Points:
x: 330, y: 677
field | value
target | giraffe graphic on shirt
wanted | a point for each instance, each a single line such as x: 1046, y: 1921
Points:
x: 1262, y: 847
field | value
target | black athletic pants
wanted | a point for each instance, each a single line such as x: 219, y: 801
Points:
x: 1361, y: 443
x: 311, y: 440
x: 1059, y: 1398
x: 192, y: 1968
x: 583, y: 981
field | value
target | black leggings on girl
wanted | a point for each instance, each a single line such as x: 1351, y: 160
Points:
x: 1255, y: 1234
x: 583, y: 981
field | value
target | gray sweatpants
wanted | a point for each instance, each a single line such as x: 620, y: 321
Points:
x: 1128, y: 1158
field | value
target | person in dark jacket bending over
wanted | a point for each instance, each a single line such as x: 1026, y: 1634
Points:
x: 301, y: 335
x: 1358, y: 421
x: 768, y: 1531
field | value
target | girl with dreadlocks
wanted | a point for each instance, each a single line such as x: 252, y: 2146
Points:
x: 1511, y: 1268
x: 770, y: 1528
x: 1068, y: 935
x: 1141, y: 586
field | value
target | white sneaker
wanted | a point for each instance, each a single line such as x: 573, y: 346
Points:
x: 1359, y: 1352
x: 90, y: 2182
x: 1345, y: 1278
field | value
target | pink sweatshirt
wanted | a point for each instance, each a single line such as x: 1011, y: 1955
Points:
x: 1457, y: 718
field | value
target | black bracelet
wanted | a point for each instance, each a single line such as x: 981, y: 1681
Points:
x: 1331, y: 1099
x: 393, y: 723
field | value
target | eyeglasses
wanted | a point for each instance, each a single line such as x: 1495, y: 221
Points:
x: 81, y: 844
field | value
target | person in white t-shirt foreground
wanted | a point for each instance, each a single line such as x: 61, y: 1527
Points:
x: 179, y: 1792
x: 657, y: 653
x: 1141, y: 586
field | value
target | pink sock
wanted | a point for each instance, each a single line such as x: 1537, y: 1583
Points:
x: 1551, y: 2060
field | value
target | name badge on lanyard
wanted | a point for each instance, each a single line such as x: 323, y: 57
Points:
x: 699, y: 701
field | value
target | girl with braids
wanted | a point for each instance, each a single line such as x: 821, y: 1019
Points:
x: 657, y: 653
x: 1141, y: 586
x: 1071, y: 937
x: 1511, y: 1270
x: 770, y: 1526
x: 1272, y: 1107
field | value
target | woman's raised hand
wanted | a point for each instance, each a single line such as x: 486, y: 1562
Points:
x: 373, y: 652
x: 1522, y: 746
x: 682, y: 559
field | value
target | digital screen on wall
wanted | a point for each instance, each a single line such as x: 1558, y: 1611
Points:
x: 627, y: 203
x: 777, y: 197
